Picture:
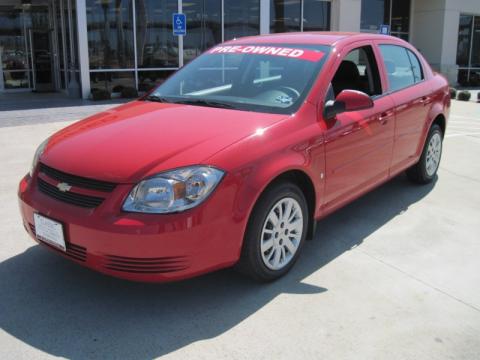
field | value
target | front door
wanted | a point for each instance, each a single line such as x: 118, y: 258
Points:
x: 359, y: 143
x: 42, y: 60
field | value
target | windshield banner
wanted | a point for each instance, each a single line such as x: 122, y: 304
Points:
x: 309, y: 55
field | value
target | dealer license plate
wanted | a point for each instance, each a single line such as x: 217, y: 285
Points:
x: 49, y: 231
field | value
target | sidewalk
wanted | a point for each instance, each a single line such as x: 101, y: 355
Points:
x: 37, y: 108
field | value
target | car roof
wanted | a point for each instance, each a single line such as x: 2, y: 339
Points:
x: 318, y: 37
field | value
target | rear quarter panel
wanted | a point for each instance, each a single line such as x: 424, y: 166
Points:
x: 440, y: 96
x: 435, y: 87
x: 440, y: 105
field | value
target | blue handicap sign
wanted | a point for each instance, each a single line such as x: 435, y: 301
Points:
x: 384, y: 29
x: 179, y: 24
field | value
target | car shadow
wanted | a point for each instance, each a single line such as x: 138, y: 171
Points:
x: 65, y: 310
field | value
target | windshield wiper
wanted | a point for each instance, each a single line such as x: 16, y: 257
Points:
x: 157, y: 98
x: 203, y: 102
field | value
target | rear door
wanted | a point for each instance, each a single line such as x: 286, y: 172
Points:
x: 359, y: 143
x: 411, y: 95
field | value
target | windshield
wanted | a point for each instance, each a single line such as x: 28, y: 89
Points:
x: 264, y: 78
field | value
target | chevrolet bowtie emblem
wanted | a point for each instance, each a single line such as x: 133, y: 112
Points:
x: 63, y: 187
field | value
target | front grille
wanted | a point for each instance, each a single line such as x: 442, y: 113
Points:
x: 77, y: 181
x: 73, y: 251
x: 69, y: 197
x: 146, y: 265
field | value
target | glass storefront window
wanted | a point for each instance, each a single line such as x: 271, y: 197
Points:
x: 285, y: 15
x: 464, y: 37
x: 373, y: 14
x: 13, y: 56
x: 395, y: 13
x: 112, y: 81
x: 147, y: 80
x: 400, y: 16
x: 204, y: 27
x: 468, y: 50
x: 475, y: 62
x: 316, y: 15
x: 110, y: 34
x: 241, y: 18
x: 156, y: 45
x: 71, y: 35
x: 60, y: 34
x: 15, y: 80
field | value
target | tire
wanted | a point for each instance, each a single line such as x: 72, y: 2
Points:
x: 424, y: 171
x: 260, y: 262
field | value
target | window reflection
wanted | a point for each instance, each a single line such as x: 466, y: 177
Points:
x: 464, y: 36
x: 316, y: 15
x: 156, y: 45
x: 13, y: 57
x: 147, y: 80
x: 374, y: 13
x: 395, y: 13
x: 400, y: 16
x: 468, y: 50
x: 241, y: 18
x: 285, y: 15
x: 110, y: 34
x: 204, y: 27
x: 476, y: 43
x: 113, y: 81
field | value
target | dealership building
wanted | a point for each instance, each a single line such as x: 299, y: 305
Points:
x: 75, y: 46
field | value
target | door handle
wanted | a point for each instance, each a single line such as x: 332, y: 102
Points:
x: 425, y: 100
x: 383, y: 118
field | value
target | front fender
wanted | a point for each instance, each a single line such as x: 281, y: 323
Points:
x: 295, y: 144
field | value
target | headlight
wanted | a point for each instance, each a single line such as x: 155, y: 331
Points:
x: 173, y: 191
x: 37, y: 155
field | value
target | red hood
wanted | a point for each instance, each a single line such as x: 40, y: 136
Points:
x: 140, y: 138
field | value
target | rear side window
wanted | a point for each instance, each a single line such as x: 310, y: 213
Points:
x: 416, y: 67
x: 398, y: 64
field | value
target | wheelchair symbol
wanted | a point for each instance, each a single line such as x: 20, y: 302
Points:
x: 179, y: 25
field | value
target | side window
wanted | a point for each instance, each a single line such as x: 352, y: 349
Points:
x: 358, y: 71
x: 398, y: 66
x: 416, y: 67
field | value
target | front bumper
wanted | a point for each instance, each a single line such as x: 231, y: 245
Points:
x: 142, y: 247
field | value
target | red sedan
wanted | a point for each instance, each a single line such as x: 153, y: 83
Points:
x: 233, y: 159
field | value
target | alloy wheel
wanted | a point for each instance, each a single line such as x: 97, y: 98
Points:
x: 281, y: 233
x: 434, y: 151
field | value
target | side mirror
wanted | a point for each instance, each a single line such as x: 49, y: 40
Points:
x: 347, y: 100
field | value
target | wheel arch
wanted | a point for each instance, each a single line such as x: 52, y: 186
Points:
x: 441, y: 121
x: 306, y: 185
x: 436, y: 116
